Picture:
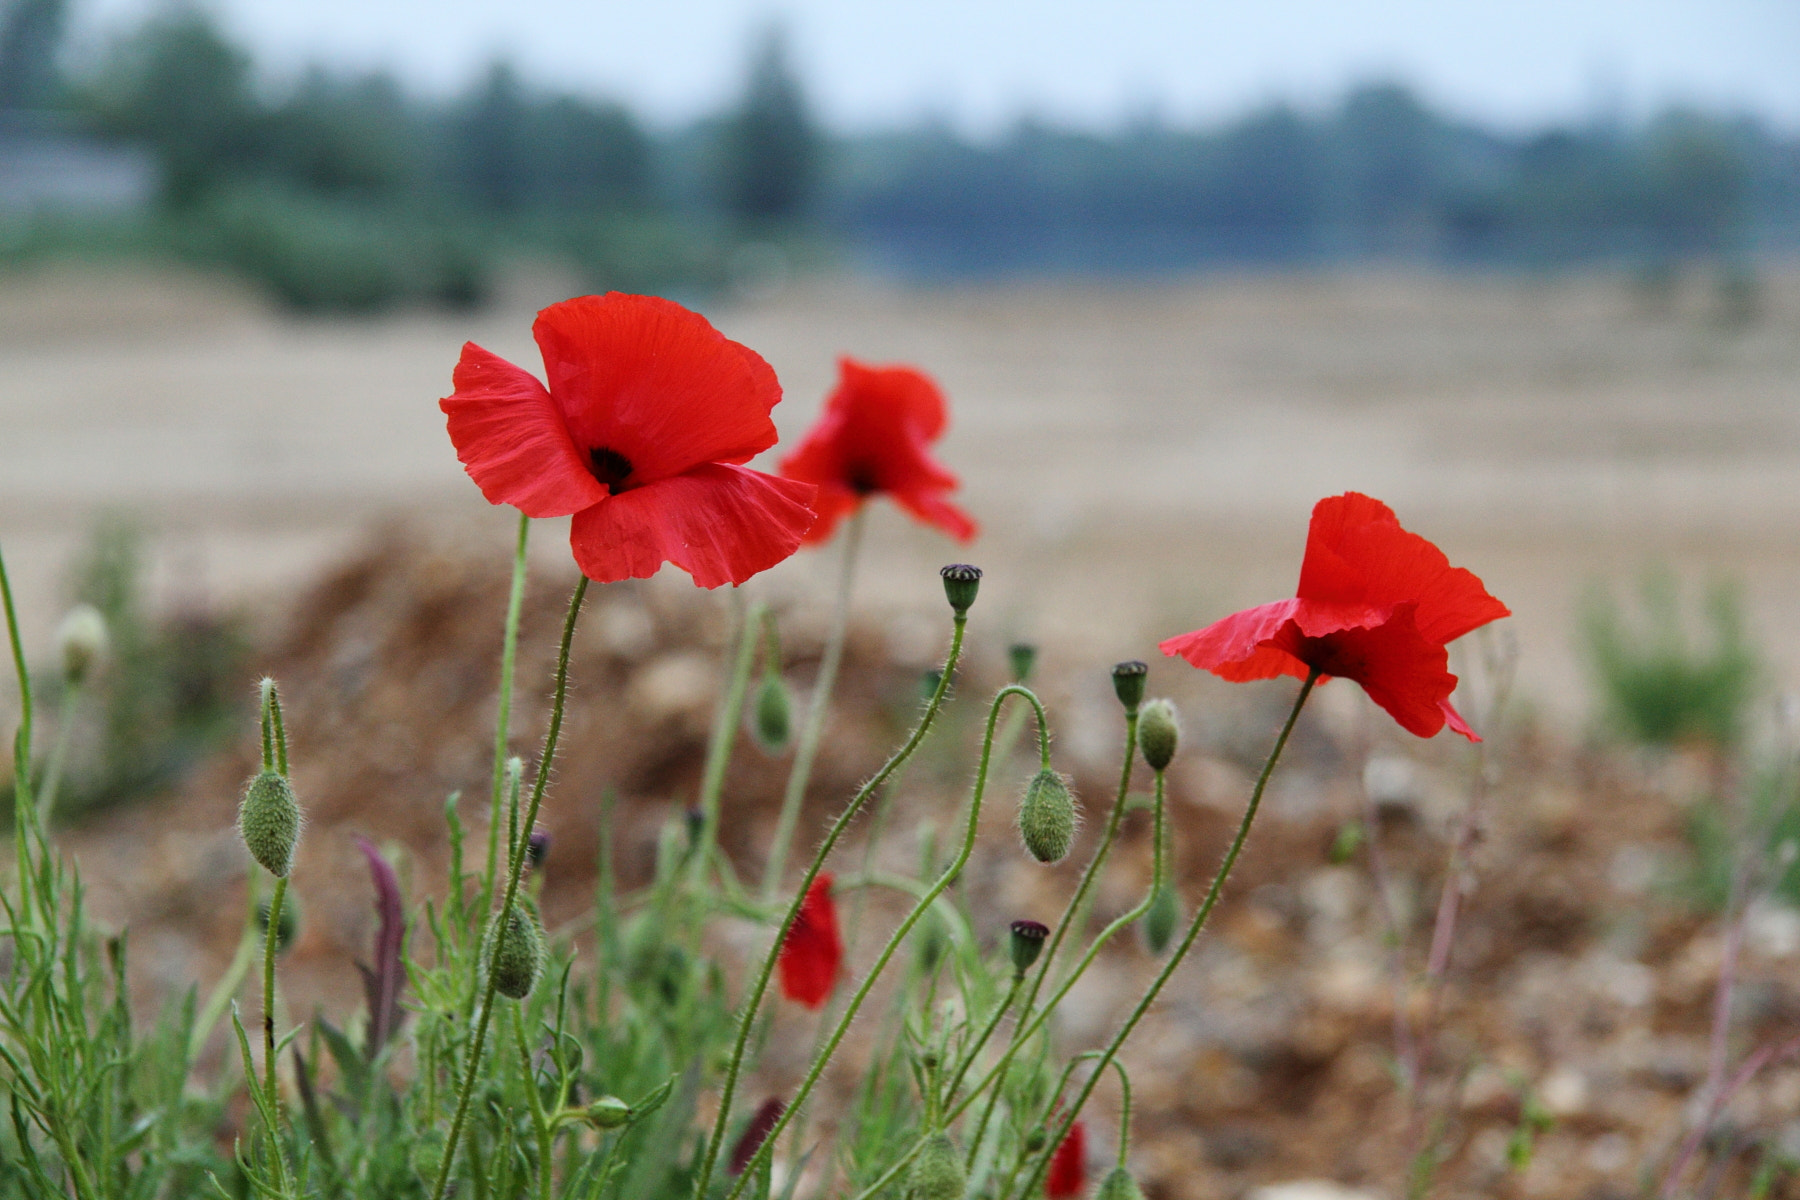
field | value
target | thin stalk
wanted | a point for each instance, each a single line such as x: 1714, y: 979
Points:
x: 540, y: 1121
x: 269, y: 1088
x: 987, y: 1031
x: 1187, y: 941
x: 509, y: 649
x: 24, y: 810
x: 724, y: 735
x: 59, y: 754
x: 754, y: 1000
x: 816, y: 712
x: 905, y: 927
x: 557, y: 703
x: 228, y: 984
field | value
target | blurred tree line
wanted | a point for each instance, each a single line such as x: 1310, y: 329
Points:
x: 343, y: 191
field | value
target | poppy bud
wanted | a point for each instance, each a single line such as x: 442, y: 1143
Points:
x: 608, y: 1112
x: 1158, y: 734
x: 269, y: 822
x: 286, y: 926
x: 537, y: 848
x: 1023, y: 656
x: 1119, y: 1185
x: 772, y: 724
x: 756, y: 1132
x: 937, y: 1171
x: 80, y: 642
x: 1027, y: 943
x: 961, y: 582
x: 518, y: 953
x: 1160, y: 918
x: 1036, y: 1139
x: 1128, y: 682
x: 1047, y: 817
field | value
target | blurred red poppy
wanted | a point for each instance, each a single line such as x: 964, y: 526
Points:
x: 813, y: 953
x: 874, y: 436
x: 1068, y: 1166
x: 1376, y: 604
x: 640, y: 436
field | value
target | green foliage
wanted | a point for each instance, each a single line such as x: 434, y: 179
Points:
x: 769, y: 153
x: 1658, y: 686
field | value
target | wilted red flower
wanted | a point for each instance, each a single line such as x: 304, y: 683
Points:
x: 1068, y: 1165
x: 874, y: 437
x: 813, y: 953
x: 1375, y: 604
x: 649, y: 414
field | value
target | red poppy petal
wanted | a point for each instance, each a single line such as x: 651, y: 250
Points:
x: 933, y: 509
x: 905, y: 391
x: 1238, y: 647
x: 720, y: 524
x: 512, y: 441
x: 813, y: 954
x: 656, y: 383
x: 1068, y: 1165
x: 1454, y: 719
x: 833, y: 502
x: 1403, y: 671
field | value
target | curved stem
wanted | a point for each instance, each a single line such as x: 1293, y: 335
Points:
x: 974, y: 1052
x: 557, y: 704
x: 817, y: 711
x: 905, y: 927
x: 509, y: 651
x: 1187, y: 941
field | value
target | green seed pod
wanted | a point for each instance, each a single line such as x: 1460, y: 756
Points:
x: 80, y: 642
x: 1027, y: 942
x: 1047, y: 817
x: 287, y: 927
x: 1023, y: 657
x: 1128, y: 682
x: 608, y: 1112
x: 518, y: 953
x: 937, y: 1171
x: 1158, y: 924
x: 1119, y: 1185
x: 961, y: 583
x: 772, y: 723
x: 269, y: 821
x: 1158, y: 734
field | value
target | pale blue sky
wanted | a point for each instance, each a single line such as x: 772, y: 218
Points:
x: 982, y: 63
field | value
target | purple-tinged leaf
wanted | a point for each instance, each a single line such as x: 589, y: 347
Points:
x: 382, y: 984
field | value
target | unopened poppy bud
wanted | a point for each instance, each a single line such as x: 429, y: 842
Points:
x: 772, y: 723
x: 287, y: 926
x: 1036, y: 1139
x: 608, y: 1112
x: 937, y: 1171
x: 1160, y: 918
x: 1119, y: 1185
x: 537, y: 848
x: 1128, y: 682
x: 269, y: 822
x: 80, y: 642
x: 518, y: 954
x: 1023, y: 656
x: 1158, y: 734
x: 961, y: 582
x: 1026, y: 943
x: 1047, y: 817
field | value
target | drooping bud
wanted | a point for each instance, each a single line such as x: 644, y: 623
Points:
x: 1068, y: 1166
x: 961, y: 582
x: 756, y: 1132
x: 80, y: 642
x: 1023, y: 656
x: 1047, y: 817
x: 772, y: 722
x: 1026, y: 943
x: 1160, y: 919
x: 269, y: 822
x: 1128, y: 681
x: 937, y: 1171
x: 518, y: 953
x: 608, y: 1112
x: 287, y: 926
x: 1119, y: 1185
x: 1158, y: 734
x: 537, y: 848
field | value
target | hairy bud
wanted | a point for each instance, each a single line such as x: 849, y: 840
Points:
x: 269, y: 822
x: 608, y: 1112
x: 518, y: 952
x: 1119, y: 1185
x: 1047, y: 817
x: 1128, y: 682
x: 961, y: 582
x: 1158, y: 734
x: 937, y: 1171
x: 772, y: 722
x: 80, y: 642
x: 1160, y: 918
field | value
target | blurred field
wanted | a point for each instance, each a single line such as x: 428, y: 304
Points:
x: 1143, y: 458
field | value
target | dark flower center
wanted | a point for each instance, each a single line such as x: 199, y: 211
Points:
x: 610, y: 467
x: 861, y: 477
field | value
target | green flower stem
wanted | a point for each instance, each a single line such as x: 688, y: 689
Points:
x: 220, y: 997
x: 59, y: 755
x: 24, y: 810
x: 905, y: 927
x: 540, y: 1120
x: 974, y: 1051
x: 268, y: 1022
x: 1187, y: 941
x: 754, y: 1000
x: 724, y: 736
x: 557, y: 703
x: 808, y: 747
x: 509, y: 650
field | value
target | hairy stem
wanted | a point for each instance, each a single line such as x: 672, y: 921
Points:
x: 509, y: 652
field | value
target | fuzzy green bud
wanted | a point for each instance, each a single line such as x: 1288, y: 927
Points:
x: 1158, y: 734
x: 1047, y: 817
x: 961, y: 582
x: 1160, y: 918
x: 608, y: 1112
x: 1023, y: 657
x: 80, y: 642
x: 518, y: 953
x: 287, y: 926
x: 1119, y: 1185
x: 937, y: 1171
x: 772, y: 721
x: 269, y: 821
x: 1026, y: 943
x: 1128, y: 683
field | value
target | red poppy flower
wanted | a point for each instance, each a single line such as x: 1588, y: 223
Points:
x: 1375, y: 604
x: 1068, y: 1166
x: 874, y: 437
x: 813, y: 954
x: 641, y: 435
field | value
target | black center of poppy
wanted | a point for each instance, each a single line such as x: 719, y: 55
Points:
x: 610, y: 467
x: 862, y: 479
